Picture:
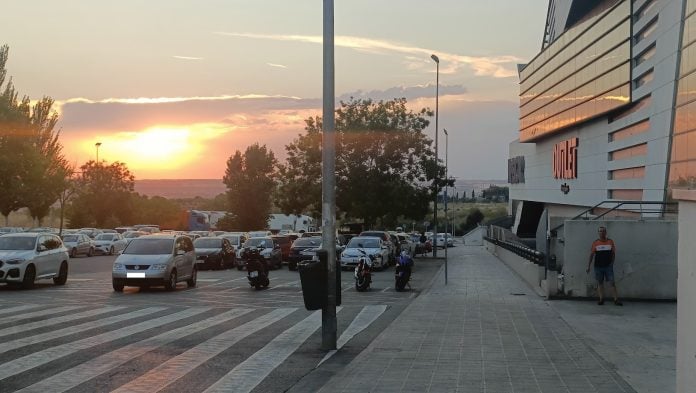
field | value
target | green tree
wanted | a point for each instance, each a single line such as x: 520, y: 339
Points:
x: 168, y: 214
x: 250, y: 181
x: 385, y: 165
x: 102, y: 195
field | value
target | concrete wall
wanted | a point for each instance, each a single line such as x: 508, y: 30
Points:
x: 646, y: 257
x: 531, y: 273
x: 686, y: 306
x: 475, y: 236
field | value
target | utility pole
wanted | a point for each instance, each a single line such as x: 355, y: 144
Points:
x: 437, y: 178
x: 328, y: 184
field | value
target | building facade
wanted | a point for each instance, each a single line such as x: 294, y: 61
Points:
x: 607, y: 108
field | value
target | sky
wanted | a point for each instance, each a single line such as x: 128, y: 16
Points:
x: 173, y: 88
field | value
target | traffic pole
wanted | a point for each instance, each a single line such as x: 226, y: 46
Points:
x: 328, y: 189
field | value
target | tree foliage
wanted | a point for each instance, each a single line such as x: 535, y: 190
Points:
x: 250, y: 181
x: 102, y: 196
x: 33, y: 170
x: 385, y: 164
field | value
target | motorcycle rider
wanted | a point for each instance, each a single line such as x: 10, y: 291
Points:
x: 405, y: 263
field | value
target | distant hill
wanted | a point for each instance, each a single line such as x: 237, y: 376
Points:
x: 180, y: 188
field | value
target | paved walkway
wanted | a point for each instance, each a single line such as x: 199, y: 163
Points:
x: 487, y: 331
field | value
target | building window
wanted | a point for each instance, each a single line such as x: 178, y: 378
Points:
x: 640, y: 14
x: 629, y: 152
x: 643, y: 79
x: 628, y: 195
x: 627, y: 173
x: 642, y: 103
x: 645, y: 55
x: 646, y: 31
x: 634, y: 129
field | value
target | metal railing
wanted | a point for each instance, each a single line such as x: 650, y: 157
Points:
x: 525, y: 252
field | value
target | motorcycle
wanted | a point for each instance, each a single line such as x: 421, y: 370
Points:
x: 257, y: 272
x: 363, y: 273
x: 402, y: 272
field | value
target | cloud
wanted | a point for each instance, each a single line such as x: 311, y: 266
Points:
x: 494, y: 66
x: 408, y: 92
x: 187, y: 58
x: 276, y: 65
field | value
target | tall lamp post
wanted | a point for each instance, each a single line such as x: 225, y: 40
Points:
x: 446, y: 197
x: 96, y: 145
x: 437, y: 110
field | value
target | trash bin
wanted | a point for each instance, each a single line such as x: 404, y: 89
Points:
x: 313, y: 276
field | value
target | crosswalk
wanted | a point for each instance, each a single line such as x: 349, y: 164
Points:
x: 149, y: 349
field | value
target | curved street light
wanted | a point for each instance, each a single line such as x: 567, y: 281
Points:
x: 437, y: 110
x: 96, y: 145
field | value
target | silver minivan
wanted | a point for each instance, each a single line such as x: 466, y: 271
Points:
x: 156, y: 260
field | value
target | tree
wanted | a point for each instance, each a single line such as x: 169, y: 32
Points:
x: 157, y: 210
x: 474, y: 217
x: 250, y: 181
x: 102, y: 196
x: 385, y: 165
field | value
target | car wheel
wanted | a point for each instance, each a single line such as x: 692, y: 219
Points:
x: 170, y: 285
x: 117, y: 284
x: 191, y: 282
x: 62, y: 277
x: 111, y: 250
x: 73, y: 253
x: 29, y: 277
x: 90, y: 252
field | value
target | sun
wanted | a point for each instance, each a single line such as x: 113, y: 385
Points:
x: 155, y: 148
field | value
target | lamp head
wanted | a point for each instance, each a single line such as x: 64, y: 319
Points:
x: 97, y: 144
x: 435, y: 59
x: 445, y: 131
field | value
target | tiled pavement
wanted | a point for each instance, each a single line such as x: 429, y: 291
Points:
x: 486, y: 331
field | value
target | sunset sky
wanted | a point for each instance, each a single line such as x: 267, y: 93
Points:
x: 174, y: 87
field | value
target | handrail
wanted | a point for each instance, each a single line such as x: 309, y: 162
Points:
x: 619, y: 204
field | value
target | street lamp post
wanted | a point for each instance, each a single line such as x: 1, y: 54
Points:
x: 437, y: 110
x: 96, y: 145
x: 446, y: 198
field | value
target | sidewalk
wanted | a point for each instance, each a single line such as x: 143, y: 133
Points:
x: 486, y: 331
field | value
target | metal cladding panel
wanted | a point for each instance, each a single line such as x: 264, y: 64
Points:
x: 584, y: 73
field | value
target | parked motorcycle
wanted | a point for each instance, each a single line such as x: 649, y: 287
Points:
x: 257, y: 271
x: 402, y: 272
x: 363, y: 273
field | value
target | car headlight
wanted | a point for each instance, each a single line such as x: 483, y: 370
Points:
x: 15, y: 261
x: 159, y: 266
x: 118, y: 267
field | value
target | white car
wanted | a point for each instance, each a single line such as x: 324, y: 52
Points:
x: 27, y: 257
x: 78, y: 244
x: 441, y: 240
x: 372, y: 246
x: 109, y: 243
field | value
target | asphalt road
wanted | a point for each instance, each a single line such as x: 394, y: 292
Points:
x: 220, y: 336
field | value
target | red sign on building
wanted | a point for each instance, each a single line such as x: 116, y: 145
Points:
x: 565, y: 159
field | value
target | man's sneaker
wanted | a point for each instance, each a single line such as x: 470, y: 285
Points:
x: 600, y: 302
x: 618, y: 303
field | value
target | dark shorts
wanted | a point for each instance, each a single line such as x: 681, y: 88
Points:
x: 604, y: 273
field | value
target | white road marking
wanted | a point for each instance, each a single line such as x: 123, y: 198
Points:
x: 18, y: 308
x: 81, y: 373
x: 176, y: 367
x: 54, y: 321
x: 287, y: 284
x: 364, y: 319
x: 208, y: 279
x: 256, y: 368
x: 80, y: 279
x: 39, y: 358
x: 29, y: 340
x: 41, y: 313
x: 385, y: 289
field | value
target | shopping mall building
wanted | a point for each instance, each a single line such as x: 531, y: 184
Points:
x: 608, y: 115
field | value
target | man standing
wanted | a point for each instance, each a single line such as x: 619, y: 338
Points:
x: 604, y: 253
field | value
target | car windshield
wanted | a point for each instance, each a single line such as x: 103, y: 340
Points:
x: 232, y: 239
x: 150, y: 247
x: 70, y: 238
x: 266, y: 243
x: 104, y: 236
x: 307, y: 242
x: 17, y: 243
x: 363, y: 243
x: 207, y: 243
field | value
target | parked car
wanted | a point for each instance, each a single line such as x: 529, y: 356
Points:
x: 236, y: 239
x: 285, y: 243
x: 374, y: 247
x: 259, y: 234
x: 91, y: 232
x: 386, y: 239
x: 123, y: 230
x: 130, y: 235
x: 406, y: 243
x: 4, y: 230
x: 27, y: 257
x: 214, y: 253
x: 156, y: 260
x: 444, y: 238
x: 270, y: 250
x: 109, y: 243
x: 78, y: 244
x: 302, y: 249
x: 311, y: 234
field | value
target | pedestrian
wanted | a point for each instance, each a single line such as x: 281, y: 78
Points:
x: 423, y: 239
x: 604, y: 252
